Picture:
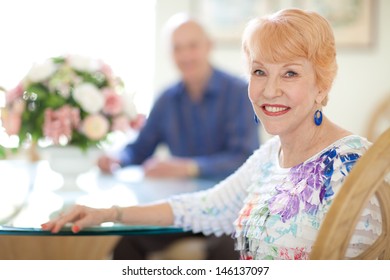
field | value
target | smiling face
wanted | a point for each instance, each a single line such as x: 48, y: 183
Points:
x: 284, y: 95
x: 291, y: 35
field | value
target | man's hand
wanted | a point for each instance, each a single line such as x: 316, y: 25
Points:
x: 171, y: 168
x: 108, y: 164
x: 138, y: 122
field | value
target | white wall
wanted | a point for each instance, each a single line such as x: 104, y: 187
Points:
x: 363, y: 79
x: 32, y: 31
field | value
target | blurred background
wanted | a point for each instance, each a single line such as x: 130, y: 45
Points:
x: 128, y: 36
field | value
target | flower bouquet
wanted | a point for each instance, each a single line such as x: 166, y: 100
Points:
x: 68, y: 100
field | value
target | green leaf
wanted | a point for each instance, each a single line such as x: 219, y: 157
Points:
x: 81, y: 141
x: 32, y: 121
x: 97, y: 78
x: 39, y: 89
x: 58, y: 59
x: 54, y: 101
x: 3, y: 153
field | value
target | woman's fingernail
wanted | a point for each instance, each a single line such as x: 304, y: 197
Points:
x: 43, y: 226
x: 75, y: 229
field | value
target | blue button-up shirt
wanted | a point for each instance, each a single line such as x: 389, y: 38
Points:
x: 218, y: 132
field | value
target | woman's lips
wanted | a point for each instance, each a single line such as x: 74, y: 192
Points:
x: 274, y: 109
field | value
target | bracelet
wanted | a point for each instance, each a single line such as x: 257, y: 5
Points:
x: 118, y: 213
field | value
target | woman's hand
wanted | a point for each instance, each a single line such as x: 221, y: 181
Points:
x: 159, y: 214
x: 81, y: 217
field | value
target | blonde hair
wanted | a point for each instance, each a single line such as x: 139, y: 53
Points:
x: 290, y: 34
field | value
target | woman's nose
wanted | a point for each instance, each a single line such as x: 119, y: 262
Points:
x: 272, y: 88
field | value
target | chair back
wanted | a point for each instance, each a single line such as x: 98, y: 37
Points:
x: 370, y: 176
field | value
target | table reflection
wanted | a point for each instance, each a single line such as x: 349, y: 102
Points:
x: 31, y: 193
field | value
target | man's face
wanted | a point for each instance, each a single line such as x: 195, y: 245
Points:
x: 190, y: 51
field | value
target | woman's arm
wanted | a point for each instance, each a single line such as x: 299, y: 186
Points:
x: 214, y: 211
x: 210, y: 211
x: 159, y: 214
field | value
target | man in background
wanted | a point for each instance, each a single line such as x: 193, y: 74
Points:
x: 205, y: 119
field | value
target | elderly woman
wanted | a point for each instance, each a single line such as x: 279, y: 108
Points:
x: 275, y: 202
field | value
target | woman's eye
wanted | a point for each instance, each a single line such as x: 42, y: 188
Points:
x: 290, y: 74
x: 259, y: 72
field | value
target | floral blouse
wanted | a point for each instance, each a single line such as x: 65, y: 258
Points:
x: 274, y: 212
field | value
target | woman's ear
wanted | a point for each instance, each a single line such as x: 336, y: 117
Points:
x: 322, y: 97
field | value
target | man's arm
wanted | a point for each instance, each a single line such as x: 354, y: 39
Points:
x: 150, y: 136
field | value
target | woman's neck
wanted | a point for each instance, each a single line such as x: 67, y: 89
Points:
x: 302, y: 144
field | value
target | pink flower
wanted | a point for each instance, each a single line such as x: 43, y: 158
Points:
x: 61, y: 122
x: 11, y: 122
x: 14, y: 93
x: 106, y: 70
x: 95, y: 127
x: 113, y: 104
x: 12, y: 117
x: 18, y: 106
x: 108, y: 73
x: 120, y: 123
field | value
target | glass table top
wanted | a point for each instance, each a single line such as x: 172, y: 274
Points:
x: 31, y: 194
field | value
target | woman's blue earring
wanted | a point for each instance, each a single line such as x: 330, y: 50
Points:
x: 256, y: 119
x: 318, y: 117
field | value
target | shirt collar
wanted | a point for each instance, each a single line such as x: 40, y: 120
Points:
x: 213, y: 85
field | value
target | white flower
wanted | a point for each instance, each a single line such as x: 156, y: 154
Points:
x: 64, y: 90
x: 129, y: 106
x: 41, y: 71
x: 83, y: 63
x: 89, y: 97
